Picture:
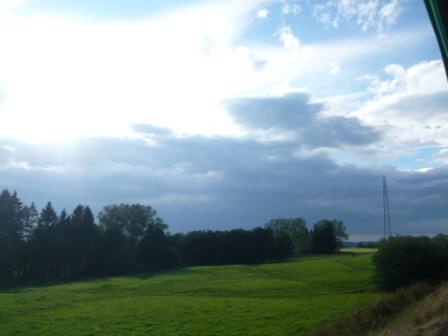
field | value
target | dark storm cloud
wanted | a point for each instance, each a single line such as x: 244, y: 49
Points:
x: 338, y: 131
x: 295, y: 112
x: 221, y: 183
x: 290, y: 111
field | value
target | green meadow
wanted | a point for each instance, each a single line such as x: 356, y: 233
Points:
x: 290, y: 298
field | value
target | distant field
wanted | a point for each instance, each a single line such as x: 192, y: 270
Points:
x: 358, y: 250
x: 273, y: 299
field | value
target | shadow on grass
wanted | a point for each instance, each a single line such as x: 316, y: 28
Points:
x: 43, y: 283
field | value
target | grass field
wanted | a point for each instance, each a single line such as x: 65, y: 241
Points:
x: 359, y: 250
x: 289, y: 298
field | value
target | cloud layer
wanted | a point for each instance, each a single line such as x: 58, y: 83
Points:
x: 294, y: 113
x: 199, y: 182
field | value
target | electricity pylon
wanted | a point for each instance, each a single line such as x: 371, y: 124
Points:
x: 386, y: 210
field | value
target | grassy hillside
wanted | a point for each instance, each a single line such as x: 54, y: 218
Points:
x: 428, y: 317
x: 273, y: 299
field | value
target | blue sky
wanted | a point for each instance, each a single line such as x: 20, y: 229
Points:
x: 226, y: 114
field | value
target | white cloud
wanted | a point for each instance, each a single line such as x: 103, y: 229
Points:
x: 425, y: 169
x: 89, y: 78
x: 335, y: 68
x: 83, y: 78
x: 442, y: 156
x: 62, y: 77
x: 262, y: 13
x: 10, y: 4
x: 288, y: 39
x: 411, y: 106
x: 308, y: 65
x: 292, y: 7
x: 21, y: 165
x: 9, y: 7
x: 422, y: 78
x: 378, y: 15
x: 391, y: 11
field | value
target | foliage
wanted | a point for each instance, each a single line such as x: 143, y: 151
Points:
x: 132, y: 220
x: 327, y: 236
x: 377, y: 315
x: 428, y: 317
x: 401, y: 261
x: 127, y: 231
x: 288, y: 298
x: 155, y: 252
x: 296, y: 229
x: 231, y: 247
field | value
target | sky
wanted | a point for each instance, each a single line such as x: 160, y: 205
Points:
x: 225, y: 114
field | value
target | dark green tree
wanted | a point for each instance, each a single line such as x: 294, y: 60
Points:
x: 41, y: 256
x: 7, y: 264
x: 124, y: 226
x: 323, y: 237
x: 283, y: 246
x: 341, y: 233
x: 48, y: 217
x: 30, y: 219
x: 327, y: 236
x: 131, y: 219
x: 61, y: 246
x: 85, y: 242
x: 155, y: 252
x: 296, y: 229
x: 11, y: 235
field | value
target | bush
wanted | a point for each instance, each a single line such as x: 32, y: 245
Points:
x: 375, y: 316
x: 401, y: 261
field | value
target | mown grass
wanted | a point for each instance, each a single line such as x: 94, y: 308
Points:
x: 290, y: 298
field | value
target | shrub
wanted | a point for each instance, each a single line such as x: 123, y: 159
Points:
x: 401, y: 261
x: 377, y: 315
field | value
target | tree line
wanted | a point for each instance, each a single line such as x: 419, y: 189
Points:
x: 132, y: 238
x: 325, y: 237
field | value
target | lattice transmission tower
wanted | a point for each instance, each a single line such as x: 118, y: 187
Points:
x: 386, y: 210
